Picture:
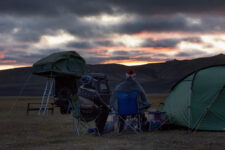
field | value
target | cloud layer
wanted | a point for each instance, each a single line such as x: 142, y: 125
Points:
x: 111, y: 31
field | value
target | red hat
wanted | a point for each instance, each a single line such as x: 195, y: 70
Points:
x: 131, y: 74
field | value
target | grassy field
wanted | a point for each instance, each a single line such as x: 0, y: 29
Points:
x: 54, y: 132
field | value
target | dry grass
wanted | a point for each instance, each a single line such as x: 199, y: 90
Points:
x: 54, y: 132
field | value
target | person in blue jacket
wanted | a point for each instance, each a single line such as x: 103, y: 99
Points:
x: 130, y: 85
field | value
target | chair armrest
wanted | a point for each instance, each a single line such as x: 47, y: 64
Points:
x: 146, y: 105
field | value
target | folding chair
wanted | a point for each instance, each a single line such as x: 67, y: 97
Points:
x: 128, y: 111
x: 81, y: 123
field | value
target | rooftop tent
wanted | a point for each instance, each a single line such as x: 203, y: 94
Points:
x: 60, y: 64
x: 198, y: 100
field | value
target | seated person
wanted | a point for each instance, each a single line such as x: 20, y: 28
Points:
x: 90, y: 100
x: 130, y: 85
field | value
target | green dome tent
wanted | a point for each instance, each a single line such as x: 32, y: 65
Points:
x: 60, y: 64
x: 198, y: 100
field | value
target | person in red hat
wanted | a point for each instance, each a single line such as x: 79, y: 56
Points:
x: 131, y: 74
x: 129, y: 85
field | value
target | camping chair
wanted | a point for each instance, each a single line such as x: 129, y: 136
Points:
x: 82, y: 122
x: 128, y: 111
x: 87, y: 114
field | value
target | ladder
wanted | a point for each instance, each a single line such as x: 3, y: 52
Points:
x: 46, y: 96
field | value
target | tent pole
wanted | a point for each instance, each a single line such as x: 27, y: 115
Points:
x: 207, y: 109
x: 189, y: 101
x: 189, y: 110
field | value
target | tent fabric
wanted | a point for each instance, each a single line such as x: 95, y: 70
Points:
x: 61, y: 63
x: 198, y: 101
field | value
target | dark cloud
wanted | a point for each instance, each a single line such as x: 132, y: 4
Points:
x: 120, y: 53
x: 170, y: 42
x: 132, y: 53
x: 153, y: 24
x: 17, y: 57
x: 93, y: 44
x: 174, y: 23
x: 55, y: 7
x: 81, y: 45
x: 90, y: 7
x: 27, y: 36
x: 166, y: 43
x: 173, y: 6
x: 6, y: 24
x: 192, y: 53
x: 108, y: 43
x: 155, y: 6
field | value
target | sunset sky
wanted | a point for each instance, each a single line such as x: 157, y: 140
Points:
x: 130, y: 32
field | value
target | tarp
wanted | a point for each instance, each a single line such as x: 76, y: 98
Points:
x: 198, y: 101
x: 59, y: 64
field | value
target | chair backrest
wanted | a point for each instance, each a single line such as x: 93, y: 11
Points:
x: 127, y: 103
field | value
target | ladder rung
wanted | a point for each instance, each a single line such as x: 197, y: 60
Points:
x: 46, y: 96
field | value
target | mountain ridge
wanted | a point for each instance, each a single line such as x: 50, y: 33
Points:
x: 155, y: 78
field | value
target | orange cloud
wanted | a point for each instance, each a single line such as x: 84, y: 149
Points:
x: 164, y: 35
x: 2, y: 55
x: 129, y: 62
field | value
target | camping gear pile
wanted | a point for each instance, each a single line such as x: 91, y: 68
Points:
x: 62, y: 71
x: 66, y: 69
x: 93, y: 94
x: 91, y: 104
x: 85, y: 95
x: 156, y: 119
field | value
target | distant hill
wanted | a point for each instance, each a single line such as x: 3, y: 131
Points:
x: 155, y: 78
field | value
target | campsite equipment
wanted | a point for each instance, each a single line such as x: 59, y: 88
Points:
x: 109, y: 126
x: 86, y: 102
x: 92, y: 101
x: 91, y: 97
x: 198, y: 100
x: 156, y: 115
x: 91, y: 130
x: 62, y: 69
x: 112, y: 122
x: 154, y: 125
x: 128, y: 109
x: 156, y: 119
x: 60, y: 64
